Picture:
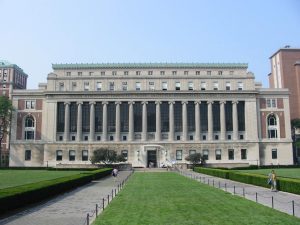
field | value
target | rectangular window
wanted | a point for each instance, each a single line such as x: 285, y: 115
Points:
x: 111, y: 138
x: 68, y: 74
x: 124, y: 85
x: 151, y: 86
x: 205, y: 154
x: 27, y: 155
x: 72, y: 155
x: 125, y: 154
x: 274, y: 153
x: 30, y: 104
x: 204, y: 137
x: 178, y: 138
x: 79, y: 74
x: 177, y: 86
x: 231, y: 154
x: 191, y: 137
x: 220, y: 72
x: 138, y: 72
x: 124, y: 138
x: 85, y: 155
x: 197, y: 72
x: 203, y: 85
x: 125, y: 73
x: 102, y: 73
x: 218, y: 154
x: 208, y: 72
x: 114, y: 73
x: 111, y: 86
x: 164, y: 86
x: 271, y: 103
x: 59, y: 155
x: 191, y: 152
x: 74, y: 86
x: 162, y: 72
x: 178, y: 154
x: 61, y: 86
x: 150, y: 72
x: 86, y: 86
x: 191, y: 86
x: 186, y: 72
x: 137, y: 86
x: 99, y: 86
x: 240, y: 86
x: 243, y: 153
x: 174, y: 72
x: 228, y: 86
x: 215, y: 85
x: 91, y: 73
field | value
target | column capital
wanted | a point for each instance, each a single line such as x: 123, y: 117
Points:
x: 67, y: 103
x: 210, y: 102
x: 79, y: 103
x: 92, y: 103
x: 184, y: 102
x: 158, y: 102
x: 171, y: 102
x: 222, y: 102
x: 131, y: 103
x: 144, y: 102
x: 104, y: 103
x: 197, y: 102
x: 118, y: 103
x: 235, y: 102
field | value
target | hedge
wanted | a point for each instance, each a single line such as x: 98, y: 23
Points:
x: 19, y: 196
x: 283, y: 184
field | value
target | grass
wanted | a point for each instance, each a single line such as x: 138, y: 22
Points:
x: 281, y: 172
x: 12, y: 178
x: 171, y: 199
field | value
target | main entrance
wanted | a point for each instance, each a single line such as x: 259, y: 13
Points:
x: 151, y: 158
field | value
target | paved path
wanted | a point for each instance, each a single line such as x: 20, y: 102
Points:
x: 70, y: 208
x: 282, y: 201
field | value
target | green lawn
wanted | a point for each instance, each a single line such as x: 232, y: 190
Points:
x: 281, y: 172
x: 11, y: 178
x: 171, y: 199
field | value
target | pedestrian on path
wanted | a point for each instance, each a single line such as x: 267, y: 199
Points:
x: 115, y: 174
x: 273, y: 181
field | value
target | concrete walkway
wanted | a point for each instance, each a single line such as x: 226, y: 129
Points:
x: 70, y: 208
x: 281, y: 201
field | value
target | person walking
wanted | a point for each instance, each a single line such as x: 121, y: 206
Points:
x: 115, y: 174
x: 273, y: 181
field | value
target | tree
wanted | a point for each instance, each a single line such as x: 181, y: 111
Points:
x: 196, y: 158
x: 295, y: 123
x: 6, y: 109
x: 105, y: 156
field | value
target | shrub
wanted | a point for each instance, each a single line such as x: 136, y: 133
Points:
x: 212, y: 172
x: 15, y: 197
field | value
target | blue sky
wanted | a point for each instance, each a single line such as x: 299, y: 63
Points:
x: 36, y: 33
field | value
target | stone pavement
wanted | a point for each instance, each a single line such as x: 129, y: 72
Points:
x: 281, y: 201
x: 70, y: 208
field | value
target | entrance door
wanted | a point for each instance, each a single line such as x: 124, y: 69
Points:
x: 151, y: 158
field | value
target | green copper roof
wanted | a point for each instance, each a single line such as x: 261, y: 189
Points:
x: 7, y: 64
x: 147, y: 65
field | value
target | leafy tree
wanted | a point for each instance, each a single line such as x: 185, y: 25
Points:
x: 196, y: 158
x: 106, y: 156
x: 6, y: 109
x: 295, y: 123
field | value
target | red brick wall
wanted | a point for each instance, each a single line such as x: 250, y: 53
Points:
x: 21, y: 104
x: 271, y: 80
x: 279, y: 103
x: 39, y: 104
x: 264, y: 123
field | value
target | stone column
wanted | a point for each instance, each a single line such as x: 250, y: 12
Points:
x: 131, y: 122
x: 171, y: 121
x: 184, y: 121
x: 197, y: 121
x: 234, y: 120
x: 92, y: 121
x: 144, y: 123
x: 210, y: 121
x: 158, y: 122
x: 79, y: 121
x: 222, y: 120
x: 104, y: 121
x: 67, y: 122
x: 118, y: 121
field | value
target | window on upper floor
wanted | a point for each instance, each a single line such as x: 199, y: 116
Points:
x: 203, y: 85
x: 164, y: 86
x: 220, y: 72
x: 208, y: 72
x: 177, y: 86
x: 228, y: 85
x: 151, y: 86
x: 272, y: 126
x: 150, y: 72
x: 29, y: 128
x: 271, y: 103
x: 99, y: 86
x: 231, y: 72
x: 61, y: 86
x: 186, y: 72
x: 124, y: 86
x: 138, y: 73
x: 215, y: 85
x: 79, y: 74
x: 197, y: 72
x: 125, y: 73
x: 137, y: 86
x: 68, y: 74
x: 91, y: 73
x: 191, y: 85
x: 74, y: 85
x: 114, y: 73
x: 102, y: 73
x: 162, y: 72
x: 86, y: 85
x: 111, y: 86
x: 174, y: 72
x: 30, y: 104
x: 240, y: 86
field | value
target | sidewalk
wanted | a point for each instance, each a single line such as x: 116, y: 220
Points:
x: 282, y: 201
x: 70, y: 208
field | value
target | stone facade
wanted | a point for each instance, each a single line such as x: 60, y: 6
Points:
x: 153, y: 114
